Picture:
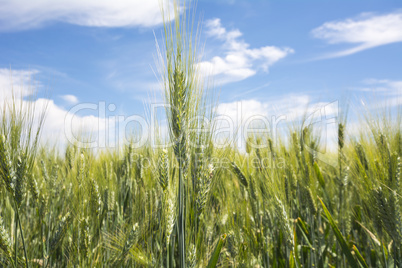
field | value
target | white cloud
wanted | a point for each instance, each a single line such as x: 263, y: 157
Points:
x: 290, y: 106
x: 366, y: 31
x: 27, y: 14
x: 70, y: 99
x: 84, y: 122
x: 240, y: 61
x: 277, y: 115
x: 17, y: 82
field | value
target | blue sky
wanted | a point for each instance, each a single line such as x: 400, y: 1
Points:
x: 272, y: 55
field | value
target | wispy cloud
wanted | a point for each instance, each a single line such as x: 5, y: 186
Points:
x: 385, y: 86
x: 26, y: 14
x: 379, y: 93
x: 70, y: 99
x: 240, y: 61
x: 368, y: 30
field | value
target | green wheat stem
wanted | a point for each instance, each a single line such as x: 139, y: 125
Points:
x: 15, y: 237
x: 181, y: 220
x: 22, y: 237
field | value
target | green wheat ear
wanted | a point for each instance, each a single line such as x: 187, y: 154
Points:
x: 163, y: 169
x: 84, y: 236
x: 283, y: 219
x: 33, y: 187
x: 192, y: 256
x: 170, y: 212
x: 4, y: 165
x: 309, y: 199
x: 341, y: 135
x: 204, y: 188
x: 386, y: 214
x: 95, y: 198
x: 362, y: 156
x: 60, y: 231
x: 241, y: 177
x: 20, y: 179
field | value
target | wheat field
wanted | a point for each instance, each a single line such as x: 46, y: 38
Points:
x: 193, y: 204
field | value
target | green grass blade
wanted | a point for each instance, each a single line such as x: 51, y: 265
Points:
x: 304, y: 231
x: 339, y: 237
x: 360, y: 258
x: 215, y: 256
x: 295, y: 256
x: 372, y: 236
x: 319, y: 175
